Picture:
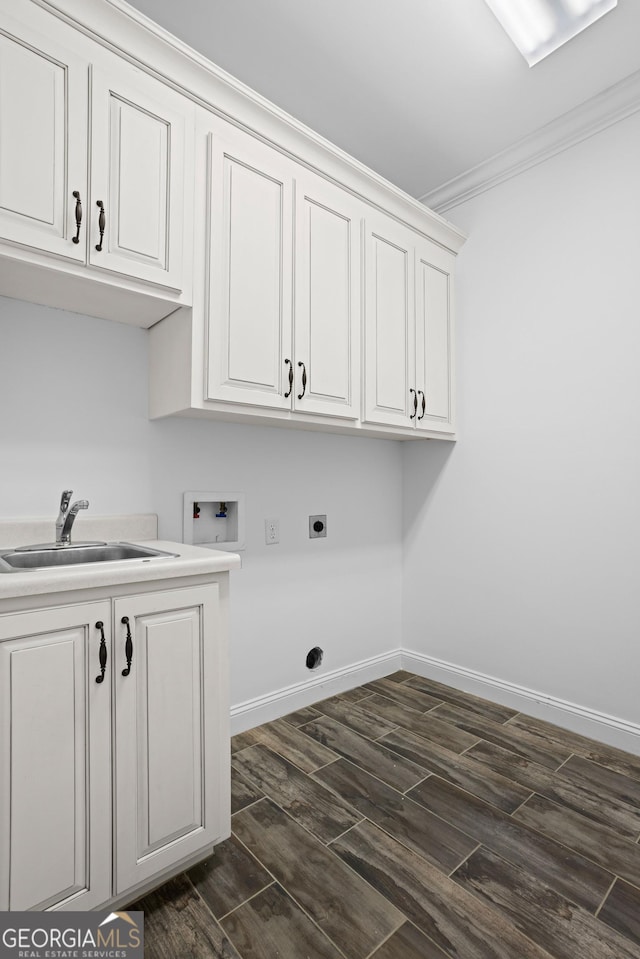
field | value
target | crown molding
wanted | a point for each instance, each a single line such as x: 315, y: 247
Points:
x: 602, y: 111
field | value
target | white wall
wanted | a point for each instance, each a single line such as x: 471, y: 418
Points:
x: 522, y: 543
x: 73, y: 413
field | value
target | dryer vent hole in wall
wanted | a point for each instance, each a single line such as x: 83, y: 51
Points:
x: 314, y: 657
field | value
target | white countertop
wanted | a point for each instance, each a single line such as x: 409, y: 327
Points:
x: 191, y: 561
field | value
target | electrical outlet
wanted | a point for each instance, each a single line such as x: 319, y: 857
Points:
x: 271, y: 531
x: 317, y: 526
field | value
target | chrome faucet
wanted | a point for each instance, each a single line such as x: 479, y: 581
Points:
x: 66, y: 517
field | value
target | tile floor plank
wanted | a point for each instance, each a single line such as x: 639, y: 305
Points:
x: 566, y: 930
x: 229, y: 877
x: 401, y: 693
x: 178, y: 925
x: 566, y: 871
x: 617, y: 759
x: 597, y: 842
x: 475, y: 777
x: 609, y: 784
x: 242, y: 740
x: 354, y: 916
x: 473, y: 704
x: 456, y: 921
x: 400, y: 676
x: 423, y: 724
x: 441, y: 843
x: 294, y: 745
x: 386, y: 765
x: 354, y: 695
x: 304, y: 799
x: 509, y: 737
x: 355, y: 717
x: 272, y: 925
x: 408, y: 943
x: 243, y: 793
x: 301, y: 716
x: 555, y: 787
x: 621, y: 910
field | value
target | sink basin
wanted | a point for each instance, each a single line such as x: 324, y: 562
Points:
x: 53, y: 556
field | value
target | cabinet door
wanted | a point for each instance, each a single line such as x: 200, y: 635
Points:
x: 55, y: 761
x: 170, y: 707
x: 43, y: 141
x: 327, y: 298
x: 389, y: 323
x: 138, y: 142
x: 434, y: 337
x: 249, y: 278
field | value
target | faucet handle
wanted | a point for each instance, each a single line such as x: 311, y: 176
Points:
x: 64, y: 500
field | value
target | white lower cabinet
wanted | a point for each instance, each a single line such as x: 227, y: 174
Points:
x: 55, y: 763
x: 167, y: 731
x: 85, y: 817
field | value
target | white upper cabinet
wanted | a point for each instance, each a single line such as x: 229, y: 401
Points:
x: 94, y: 156
x: 434, y: 337
x: 43, y: 141
x: 327, y: 298
x: 137, y: 176
x: 408, y: 329
x: 282, y: 317
x: 389, y: 323
x: 248, y: 295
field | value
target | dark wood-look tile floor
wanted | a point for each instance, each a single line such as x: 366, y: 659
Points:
x: 410, y: 820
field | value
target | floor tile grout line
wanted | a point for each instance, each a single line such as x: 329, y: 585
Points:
x: 230, y: 912
x: 462, y: 862
x: 288, y: 891
x: 564, y: 762
x: 605, y: 897
x: 248, y: 806
x: 523, y: 803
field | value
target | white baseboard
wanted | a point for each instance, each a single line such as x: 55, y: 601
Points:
x: 318, y: 686
x: 579, y: 719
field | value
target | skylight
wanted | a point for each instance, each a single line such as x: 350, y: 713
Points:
x: 538, y: 27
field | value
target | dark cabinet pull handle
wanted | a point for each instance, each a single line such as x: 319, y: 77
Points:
x: 415, y: 404
x: 288, y: 393
x: 128, y: 646
x: 424, y: 404
x: 102, y: 222
x: 102, y: 653
x: 304, y: 379
x: 76, y: 238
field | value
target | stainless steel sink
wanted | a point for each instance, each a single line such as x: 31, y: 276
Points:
x: 50, y: 556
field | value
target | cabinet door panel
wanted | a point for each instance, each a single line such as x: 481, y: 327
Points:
x: 137, y: 171
x: 43, y: 109
x: 249, y: 295
x: 167, y: 736
x: 327, y: 306
x: 54, y: 798
x: 389, y: 324
x: 434, y: 336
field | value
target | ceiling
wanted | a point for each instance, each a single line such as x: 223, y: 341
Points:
x: 419, y: 90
